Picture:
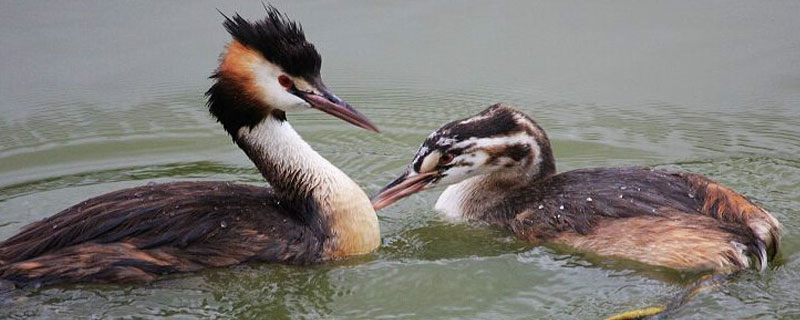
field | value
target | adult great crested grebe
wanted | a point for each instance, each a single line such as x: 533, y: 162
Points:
x: 313, y: 212
x: 501, y: 170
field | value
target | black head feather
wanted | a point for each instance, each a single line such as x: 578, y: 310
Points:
x: 279, y: 40
x: 494, y: 121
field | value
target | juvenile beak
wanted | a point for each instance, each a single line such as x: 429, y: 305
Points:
x: 329, y: 103
x: 402, y: 187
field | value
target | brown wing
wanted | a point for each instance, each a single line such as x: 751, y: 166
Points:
x: 136, y: 234
x: 620, y: 211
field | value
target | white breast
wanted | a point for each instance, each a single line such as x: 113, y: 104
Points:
x: 449, y: 202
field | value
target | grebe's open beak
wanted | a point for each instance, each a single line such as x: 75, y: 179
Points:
x: 404, y: 186
x: 329, y: 103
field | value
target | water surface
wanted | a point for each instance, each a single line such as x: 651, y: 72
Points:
x: 100, y: 96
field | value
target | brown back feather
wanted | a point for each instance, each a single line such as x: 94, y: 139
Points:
x: 577, y: 202
x: 151, y: 230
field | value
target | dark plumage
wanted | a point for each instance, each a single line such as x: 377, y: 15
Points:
x: 501, y: 170
x: 575, y: 203
x: 137, y: 234
x: 311, y: 213
x: 280, y: 40
x: 232, y: 108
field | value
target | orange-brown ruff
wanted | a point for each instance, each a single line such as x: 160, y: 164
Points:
x: 501, y: 170
x: 311, y: 213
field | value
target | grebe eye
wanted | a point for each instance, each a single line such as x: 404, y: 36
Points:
x: 446, y: 158
x: 285, y: 81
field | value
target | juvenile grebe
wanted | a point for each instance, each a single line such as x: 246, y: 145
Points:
x: 313, y: 212
x: 501, y: 170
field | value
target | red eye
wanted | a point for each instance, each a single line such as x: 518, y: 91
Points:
x: 446, y: 158
x: 285, y: 81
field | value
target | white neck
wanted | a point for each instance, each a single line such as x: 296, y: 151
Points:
x: 451, y: 201
x: 480, y: 197
x: 297, y: 172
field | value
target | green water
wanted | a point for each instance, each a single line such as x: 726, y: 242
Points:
x: 99, y: 96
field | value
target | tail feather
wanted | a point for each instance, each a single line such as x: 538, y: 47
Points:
x: 727, y: 205
x: 767, y: 233
x: 762, y: 255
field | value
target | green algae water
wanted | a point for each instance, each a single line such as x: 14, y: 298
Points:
x: 100, y: 96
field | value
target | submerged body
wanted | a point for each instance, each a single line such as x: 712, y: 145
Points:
x: 500, y: 169
x: 671, y: 219
x: 139, y: 233
x: 311, y: 212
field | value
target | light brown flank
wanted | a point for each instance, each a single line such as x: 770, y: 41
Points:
x: 679, y: 241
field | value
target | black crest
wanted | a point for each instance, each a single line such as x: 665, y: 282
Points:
x: 280, y: 40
